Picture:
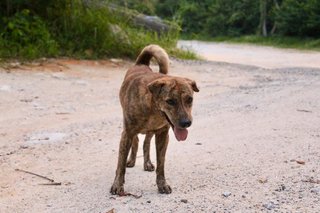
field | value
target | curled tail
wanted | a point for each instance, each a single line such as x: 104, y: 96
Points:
x: 158, y: 53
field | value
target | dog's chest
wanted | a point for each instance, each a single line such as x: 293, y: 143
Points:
x: 155, y: 122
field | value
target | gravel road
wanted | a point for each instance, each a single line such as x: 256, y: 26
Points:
x: 267, y: 57
x: 254, y: 145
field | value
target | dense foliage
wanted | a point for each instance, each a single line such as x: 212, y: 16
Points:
x: 80, y: 28
x: 208, y: 18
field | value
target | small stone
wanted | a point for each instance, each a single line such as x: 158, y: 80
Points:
x: 184, y: 200
x: 316, y: 190
x: 198, y: 143
x: 263, y: 180
x: 226, y: 194
x: 116, y: 60
x: 269, y: 206
x: 148, y: 201
x: 24, y: 147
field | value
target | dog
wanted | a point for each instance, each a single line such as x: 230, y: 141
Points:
x: 152, y: 103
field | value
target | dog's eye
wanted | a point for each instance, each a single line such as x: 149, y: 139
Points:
x: 171, y: 102
x: 189, y: 100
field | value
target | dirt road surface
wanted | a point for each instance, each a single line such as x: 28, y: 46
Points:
x: 267, y: 57
x: 254, y: 145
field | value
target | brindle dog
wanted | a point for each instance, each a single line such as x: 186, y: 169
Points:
x: 151, y: 103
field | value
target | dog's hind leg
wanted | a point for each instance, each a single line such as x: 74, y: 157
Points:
x: 125, y: 144
x: 162, y: 139
x: 148, y: 166
x: 133, y: 155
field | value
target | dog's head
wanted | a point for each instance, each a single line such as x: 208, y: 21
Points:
x: 174, y: 97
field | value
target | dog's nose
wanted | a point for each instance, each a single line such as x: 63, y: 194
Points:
x: 184, y: 123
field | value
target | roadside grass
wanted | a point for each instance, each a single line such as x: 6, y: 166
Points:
x: 183, y: 54
x: 273, y: 41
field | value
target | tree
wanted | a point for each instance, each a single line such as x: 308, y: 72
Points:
x: 263, y: 17
x: 299, y: 18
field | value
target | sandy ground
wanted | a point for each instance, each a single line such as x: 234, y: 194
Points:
x: 254, y: 145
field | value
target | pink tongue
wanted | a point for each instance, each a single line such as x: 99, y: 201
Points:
x: 181, y: 134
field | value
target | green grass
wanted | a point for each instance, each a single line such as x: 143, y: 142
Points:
x: 274, y: 41
x: 183, y: 54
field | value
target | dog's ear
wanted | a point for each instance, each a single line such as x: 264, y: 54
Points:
x: 193, y: 85
x: 156, y: 86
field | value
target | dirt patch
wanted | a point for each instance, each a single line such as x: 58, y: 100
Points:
x: 251, y: 127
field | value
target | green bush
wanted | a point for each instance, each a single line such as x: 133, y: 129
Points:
x: 26, y: 35
x: 75, y: 28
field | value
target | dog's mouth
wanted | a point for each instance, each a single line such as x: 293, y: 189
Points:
x: 181, y: 134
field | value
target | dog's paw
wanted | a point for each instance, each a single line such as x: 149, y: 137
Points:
x: 131, y: 163
x: 148, y: 166
x: 117, y: 189
x: 164, y: 189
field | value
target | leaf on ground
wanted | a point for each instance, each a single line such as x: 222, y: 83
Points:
x: 263, y: 180
x: 111, y: 211
x: 122, y: 194
x: 300, y: 162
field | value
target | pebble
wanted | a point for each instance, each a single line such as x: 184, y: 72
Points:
x: 58, y: 75
x: 226, y: 194
x: 316, y: 190
x: 269, y: 205
x: 184, y: 200
x: 116, y: 60
x: 24, y: 146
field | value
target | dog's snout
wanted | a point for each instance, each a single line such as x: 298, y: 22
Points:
x: 184, y: 123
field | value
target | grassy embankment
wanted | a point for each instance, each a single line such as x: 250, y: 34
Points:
x: 78, y: 31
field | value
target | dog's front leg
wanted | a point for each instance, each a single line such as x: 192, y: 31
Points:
x: 162, y: 139
x: 125, y: 144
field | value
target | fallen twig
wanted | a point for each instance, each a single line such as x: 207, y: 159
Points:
x: 53, y: 183
x: 310, y: 180
x: 304, y: 110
